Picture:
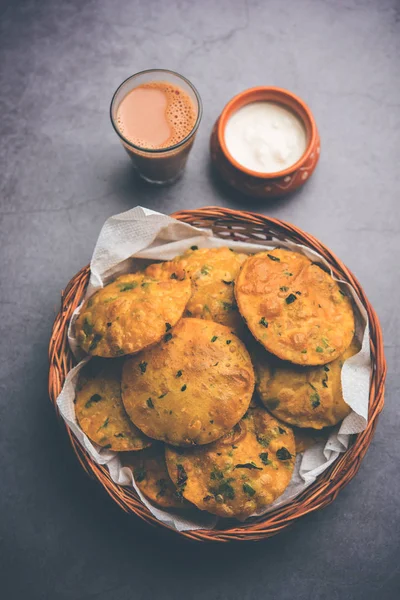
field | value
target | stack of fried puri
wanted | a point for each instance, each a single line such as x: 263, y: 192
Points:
x: 179, y: 404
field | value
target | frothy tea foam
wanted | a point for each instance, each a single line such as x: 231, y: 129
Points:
x: 156, y: 115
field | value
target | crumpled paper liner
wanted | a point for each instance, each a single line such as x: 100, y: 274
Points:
x: 144, y: 234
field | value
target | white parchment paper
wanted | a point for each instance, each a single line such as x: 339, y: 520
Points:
x: 141, y: 234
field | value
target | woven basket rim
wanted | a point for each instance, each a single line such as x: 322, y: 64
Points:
x: 327, y: 486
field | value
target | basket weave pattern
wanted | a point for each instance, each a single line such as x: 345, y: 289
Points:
x: 238, y: 226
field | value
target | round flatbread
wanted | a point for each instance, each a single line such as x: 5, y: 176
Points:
x: 132, y: 312
x: 99, y: 409
x: 294, y: 308
x: 152, y: 478
x: 302, y: 396
x: 193, y: 387
x: 239, y: 474
x: 213, y: 272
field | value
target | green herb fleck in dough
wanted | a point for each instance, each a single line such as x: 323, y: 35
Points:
x: 304, y: 352
x: 163, y: 486
x: 264, y: 458
x: 263, y: 322
x: 189, y: 313
x: 227, y: 282
x: 181, y: 476
x: 104, y: 424
x: 214, y: 338
x: 94, y: 398
x: 342, y: 293
x: 228, y: 306
x: 281, y: 431
x: 319, y: 349
x: 250, y: 465
x: 325, y: 342
x: 224, y: 490
x: 183, y: 388
x: 248, y: 489
x: 174, y: 276
x: 291, y: 298
x: 228, y: 342
x: 205, y: 270
x: 163, y: 395
x: 207, y: 498
x: 274, y: 258
x: 119, y: 435
x: 194, y: 247
x: 298, y: 293
x: 109, y: 324
x: 283, y: 454
x: 315, y: 400
x: 263, y: 441
x: 287, y: 273
x: 139, y: 474
x: 110, y: 299
x: 216, y: 474
x: 87, y: 327
x: 124, y: 287
x: 143, y: 367
x: 272, y: 403
x: 167, y: 337
x: 96, y: 339
x: 168, y: 326
x: 179, y: 373
x: 326, y: 368
x: 284, y: 288
x: 149, y: 403
x: 107, y: 446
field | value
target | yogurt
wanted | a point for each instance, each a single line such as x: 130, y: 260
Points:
x: 265, y: 137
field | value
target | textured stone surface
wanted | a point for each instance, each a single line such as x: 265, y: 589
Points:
x: 63, y: 173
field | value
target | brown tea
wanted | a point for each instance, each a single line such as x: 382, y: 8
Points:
x: 156, y: 114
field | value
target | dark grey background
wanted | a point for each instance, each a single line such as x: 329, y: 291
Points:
x: 63, y: 173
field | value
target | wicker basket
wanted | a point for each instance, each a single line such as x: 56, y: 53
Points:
x: 234, y: 225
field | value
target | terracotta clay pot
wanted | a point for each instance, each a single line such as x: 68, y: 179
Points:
x: 265, y: 185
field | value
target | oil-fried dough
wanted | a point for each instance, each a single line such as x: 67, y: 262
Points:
x: 152, y: 478
x: 213, y: 272
x: 302, y: 396
x: 99, y: 409
x: 132, y: 312
x: 239, y: 474
x: 294, y: 308
x: 193, y: 387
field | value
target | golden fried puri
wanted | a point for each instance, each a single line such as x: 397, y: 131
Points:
x: 239, y: 474
x: 294, y: 308
x: 193, y: 387
x: 152, y: 478
x: 132, y: 312
x: 99, y: 410
x: 302, y: 396
x: 213, y: 272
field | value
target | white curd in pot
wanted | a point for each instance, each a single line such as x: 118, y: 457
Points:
x: 265, y: 137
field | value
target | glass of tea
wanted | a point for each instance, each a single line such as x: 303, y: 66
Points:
x: 156, y: 114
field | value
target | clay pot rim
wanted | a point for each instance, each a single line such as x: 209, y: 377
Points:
x: 280, y: 96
